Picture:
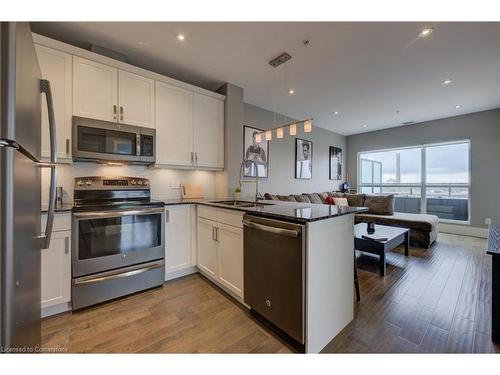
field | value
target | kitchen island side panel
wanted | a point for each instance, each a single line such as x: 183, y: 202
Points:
x: 329, y: 286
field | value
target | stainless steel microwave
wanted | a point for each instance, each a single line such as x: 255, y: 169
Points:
x: 104, y: 141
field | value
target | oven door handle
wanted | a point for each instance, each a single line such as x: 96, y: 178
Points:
x: 118, y: 274
x: 107, y: 214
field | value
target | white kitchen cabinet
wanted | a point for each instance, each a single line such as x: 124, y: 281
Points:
x: 220, y: 248
x: 174, y: 120
x: 136, y: 99
x: 178, y: 249
x: 208, y: 131
x: 95, y: 90
x: 230, y: 241
x: 207, y: 247
x: 56, y: 67
x: 56, y: 270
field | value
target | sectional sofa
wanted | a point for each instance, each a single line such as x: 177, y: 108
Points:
x: 423, y: 228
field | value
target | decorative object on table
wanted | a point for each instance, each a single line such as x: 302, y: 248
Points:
x: 374, y: 237
x: 335, y: 163
x: 237, y: 192
x: 257, y: 152
x: 303, y: 159
x: 370, y: 227
x: 346, y: 186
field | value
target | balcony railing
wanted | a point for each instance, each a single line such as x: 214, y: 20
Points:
x: 447, y: 201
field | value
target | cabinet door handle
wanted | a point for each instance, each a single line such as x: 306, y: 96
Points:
x: 214, y: 238
x: 167, y: 216
x: 66, y: 245
x: 192, y: 157
x: 67, y: 146
x: 114, y: 111
x: 196, y: 158
x: 121, y: 113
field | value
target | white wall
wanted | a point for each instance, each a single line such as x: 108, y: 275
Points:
x: 164, y: 182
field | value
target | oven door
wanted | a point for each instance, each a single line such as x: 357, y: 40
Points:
x: 109, y: 240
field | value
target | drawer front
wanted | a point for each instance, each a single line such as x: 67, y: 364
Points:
x: 206, y: 212
x: 62, y: 222
x: 230, y: 217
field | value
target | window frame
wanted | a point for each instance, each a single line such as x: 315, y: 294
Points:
x: 423, y: 176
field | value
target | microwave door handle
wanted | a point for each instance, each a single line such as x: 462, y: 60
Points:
x: 45, y: 88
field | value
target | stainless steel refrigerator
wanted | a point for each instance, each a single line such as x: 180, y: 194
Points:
x: 21, y: 239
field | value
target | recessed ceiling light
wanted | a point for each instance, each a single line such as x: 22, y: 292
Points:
x: 180, y: 37
x: 426, y: 32
x: 364, y: 126
x: 142, y: 43
x: 291, y: 92
x: 447, y: 82
x: 336, y: 113
x: 457, y: 106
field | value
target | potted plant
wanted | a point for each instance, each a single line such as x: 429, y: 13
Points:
x: 237, y: 192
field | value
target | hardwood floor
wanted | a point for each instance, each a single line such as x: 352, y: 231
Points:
x: 434, y: 301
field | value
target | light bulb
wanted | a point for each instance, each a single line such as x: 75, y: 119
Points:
x: 279, y: 133
x: 269, y: 135
x: 308, y: 126
x: 293, y: 129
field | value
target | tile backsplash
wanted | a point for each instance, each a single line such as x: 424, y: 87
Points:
x: 165, y: 183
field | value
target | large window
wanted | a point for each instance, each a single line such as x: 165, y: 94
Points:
x: 430, y: 179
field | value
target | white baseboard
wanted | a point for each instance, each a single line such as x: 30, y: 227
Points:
x: 56, y: 309
x: 180, y: 273
x: 464, y: 230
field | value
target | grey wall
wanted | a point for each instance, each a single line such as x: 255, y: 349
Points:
x: 483, y: 130
x: 281, y: 156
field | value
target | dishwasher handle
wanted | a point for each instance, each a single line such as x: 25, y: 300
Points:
x: 275, y: 230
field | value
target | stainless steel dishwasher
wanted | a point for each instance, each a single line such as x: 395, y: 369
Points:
x: 274, y: 272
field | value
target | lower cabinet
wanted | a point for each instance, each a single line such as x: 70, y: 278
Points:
x: 180, y: 245
x: 207, y: 247
x: 56, y: 270
x: 230, y: 240
x: 220, y: 254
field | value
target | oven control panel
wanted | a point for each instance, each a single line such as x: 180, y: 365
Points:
x: 110, y: 183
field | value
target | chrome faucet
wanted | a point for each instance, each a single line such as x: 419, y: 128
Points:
x: 256, y: 179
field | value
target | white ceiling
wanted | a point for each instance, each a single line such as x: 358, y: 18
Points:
x: 366, y: 71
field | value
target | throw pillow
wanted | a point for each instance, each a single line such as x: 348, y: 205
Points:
x: 355, y: 200
x: 329, y: 200
x: 340, y: 202
x: 286, y: 198
x: 380, y: 204
x: 301, y: 198
x: 314, y: 198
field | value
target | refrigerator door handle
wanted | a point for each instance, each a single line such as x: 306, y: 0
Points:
x: 45, y: 240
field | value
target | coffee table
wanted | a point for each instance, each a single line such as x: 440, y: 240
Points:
x: 395, y: 237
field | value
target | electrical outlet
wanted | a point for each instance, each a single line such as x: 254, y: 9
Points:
x: 487, y: 221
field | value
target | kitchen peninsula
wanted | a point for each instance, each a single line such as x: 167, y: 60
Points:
x: 291, y: 263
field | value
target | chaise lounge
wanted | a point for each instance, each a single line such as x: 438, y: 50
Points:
x: 423, y: 228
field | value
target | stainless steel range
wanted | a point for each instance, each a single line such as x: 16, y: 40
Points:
x: 118, y: 239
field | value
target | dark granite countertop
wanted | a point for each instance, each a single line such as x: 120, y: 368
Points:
x: 289, y: 211
x: 66, y: 207
x: 494, y: 240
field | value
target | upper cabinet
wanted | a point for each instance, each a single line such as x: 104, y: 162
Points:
x: 189, y: 120
x: 208, y: 131
x: 106, y: 93
x: 136, y: 97
x: 174, y: 118
x: 197, y: 123
x: 56, y: 67
x: 95, y: 90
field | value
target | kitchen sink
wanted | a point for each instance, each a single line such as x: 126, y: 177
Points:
x: 237, y: 203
